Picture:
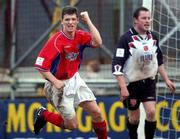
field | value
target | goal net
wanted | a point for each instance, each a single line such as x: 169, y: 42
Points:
x: 166, y: 24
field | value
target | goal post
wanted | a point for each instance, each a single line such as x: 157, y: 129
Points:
x: 166, y: 24
x: 147, y: 4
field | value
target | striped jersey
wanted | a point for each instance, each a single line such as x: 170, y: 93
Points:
x: 137, y: 57
x: 62, y: 55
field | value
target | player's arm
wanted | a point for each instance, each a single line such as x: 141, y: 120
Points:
x: 122, y: 84
x: 57, y: 83
x: 165, y: 77
x: 162, y: 70
x: 44, y: 61
x: 120, y: 56
x: 96, y: 37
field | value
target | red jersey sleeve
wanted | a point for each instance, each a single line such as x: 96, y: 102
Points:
x: 86, y: 38
x: 48, y: 53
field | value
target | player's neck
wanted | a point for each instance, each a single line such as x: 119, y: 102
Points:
x: 69, y: 34
x: 141, y: 32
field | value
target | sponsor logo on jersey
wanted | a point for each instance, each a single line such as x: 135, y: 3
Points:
x: 72, y: 56
x: 150, y: 97
x: 147, y: 57
x: 39, y: 61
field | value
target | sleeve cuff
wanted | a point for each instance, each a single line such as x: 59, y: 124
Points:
x: 117, y: 73
x: 41, y: 69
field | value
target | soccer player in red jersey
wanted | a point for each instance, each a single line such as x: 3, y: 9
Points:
x: 58, y: 62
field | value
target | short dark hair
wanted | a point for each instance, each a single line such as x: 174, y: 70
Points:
x: 138, y: 10
x: 69, y: 10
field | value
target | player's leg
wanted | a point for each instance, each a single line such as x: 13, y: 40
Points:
x: 99, y: 124
x: 63, y: 102
x: 133, y: 117
x: 43, y: 116
x: 67, y: 121
x: 55, y: 118
x: 86, y: 99
x: 150, y: 122
x: 133, y: 123
x: 149, y: 103
x: 132, y: 103
x: 66, y: 117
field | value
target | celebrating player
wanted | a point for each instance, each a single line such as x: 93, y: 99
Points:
x: 58, y: 62
x: 136, y: 62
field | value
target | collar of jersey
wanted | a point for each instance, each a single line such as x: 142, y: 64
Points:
x: 67, y: 36
x: 134, y: 32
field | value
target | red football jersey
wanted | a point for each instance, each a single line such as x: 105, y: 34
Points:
x: 61, y: 55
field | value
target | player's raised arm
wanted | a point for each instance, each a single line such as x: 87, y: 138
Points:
x: 96, y: 37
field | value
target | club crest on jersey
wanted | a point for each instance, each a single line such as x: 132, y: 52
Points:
x: 145, y: 48
x: 72, y: 56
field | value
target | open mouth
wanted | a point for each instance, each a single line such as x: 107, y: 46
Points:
x: 147, y: 26
x: 71, y: 27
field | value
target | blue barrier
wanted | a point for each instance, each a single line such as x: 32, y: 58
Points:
x: 17, y: 117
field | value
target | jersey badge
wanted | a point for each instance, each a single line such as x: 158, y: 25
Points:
x: 145, y: 48
x: 39, y: 61
x: 120, y: 52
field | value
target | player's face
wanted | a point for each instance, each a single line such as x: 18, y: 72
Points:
x: 142, y: 23
x: 69, y: 23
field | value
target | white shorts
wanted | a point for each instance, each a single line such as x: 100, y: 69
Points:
x: 75, y: 92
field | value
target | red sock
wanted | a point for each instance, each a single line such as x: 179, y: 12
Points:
x: 100, y: 129
x: 53, y: 118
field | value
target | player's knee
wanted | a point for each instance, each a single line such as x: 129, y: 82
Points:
x: 151, y: 114
x: 97, y: 116
x: 71, y: 126
x: 134, y: 120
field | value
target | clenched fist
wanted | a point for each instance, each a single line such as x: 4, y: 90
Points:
x: 84, y: 16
